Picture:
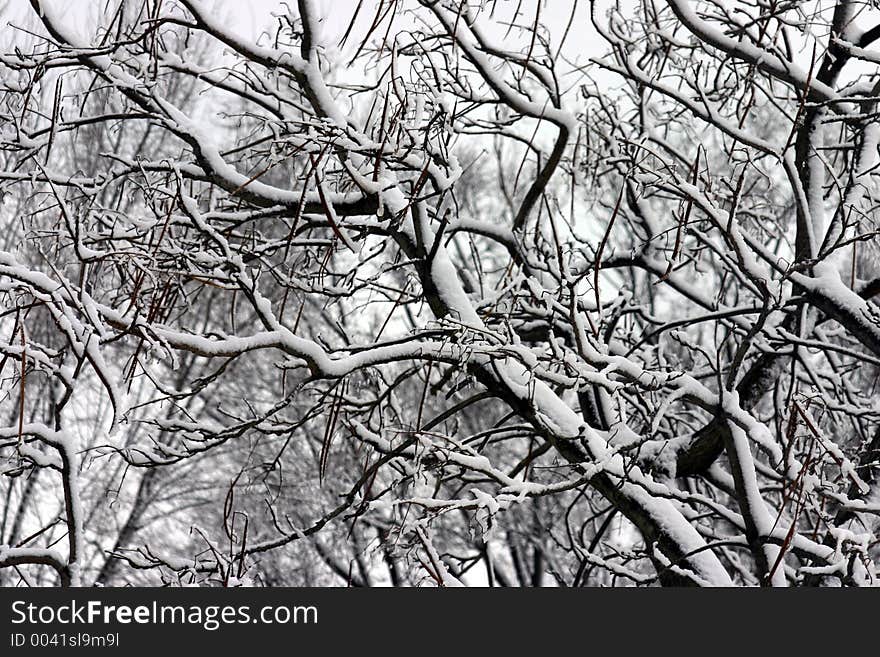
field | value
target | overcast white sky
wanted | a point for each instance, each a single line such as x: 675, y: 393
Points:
x: 250, y: 17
